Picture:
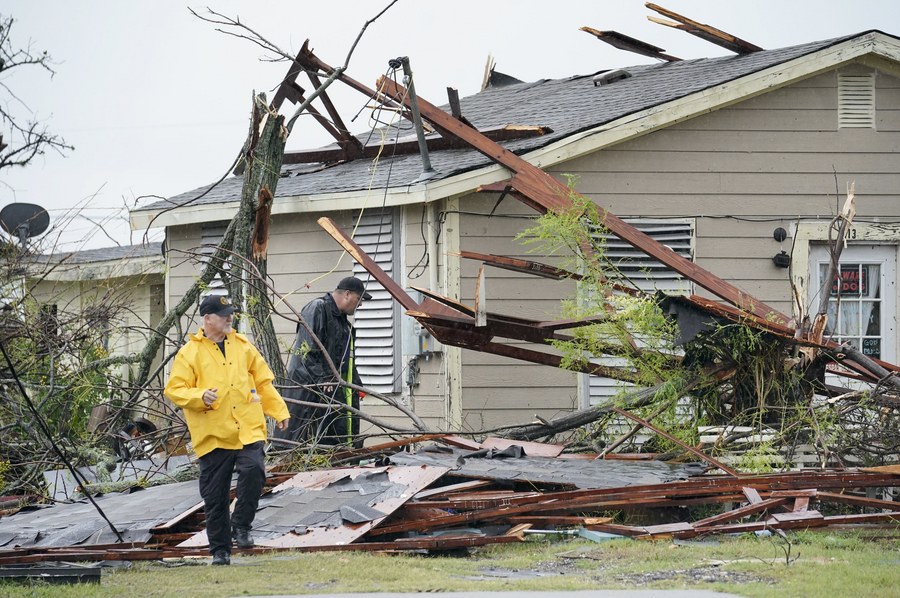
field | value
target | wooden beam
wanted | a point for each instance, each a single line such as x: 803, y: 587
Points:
x: 630, y: 44
x: 671, y: 438
x: 552, y: 194
x: 410, y: 146
x: 480, y: 300
x: 705, y: 32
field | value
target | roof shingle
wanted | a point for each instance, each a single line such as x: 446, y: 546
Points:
x: 568, y: 106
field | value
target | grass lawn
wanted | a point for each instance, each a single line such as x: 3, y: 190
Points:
x: 825, y: 563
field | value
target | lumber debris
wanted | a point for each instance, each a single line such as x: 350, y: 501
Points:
x: 492, y: 492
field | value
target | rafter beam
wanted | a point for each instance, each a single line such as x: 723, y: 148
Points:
x: 552, y: 194
x: 411, y: 146
x: 709, y: 33
x: 630, y: 44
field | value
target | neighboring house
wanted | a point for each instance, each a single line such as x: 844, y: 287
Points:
x: 710, y: 156
x: 130, y: 277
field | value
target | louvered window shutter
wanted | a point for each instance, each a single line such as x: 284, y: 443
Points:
x: 377, y: 320
x: 211, y: 234
x: 647, y: 274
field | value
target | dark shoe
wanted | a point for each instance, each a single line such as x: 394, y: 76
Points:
x: 242, y: 537
x: 221, y: 557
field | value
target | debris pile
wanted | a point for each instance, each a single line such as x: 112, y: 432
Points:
x: 452, y: 494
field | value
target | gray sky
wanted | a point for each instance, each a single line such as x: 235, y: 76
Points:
x: 156, y: 101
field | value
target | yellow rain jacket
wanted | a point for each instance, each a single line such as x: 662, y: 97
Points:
x: 237, y: 417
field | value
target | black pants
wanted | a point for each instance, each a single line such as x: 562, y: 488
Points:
x: 216, y: 468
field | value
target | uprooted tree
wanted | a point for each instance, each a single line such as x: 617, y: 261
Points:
x: 756, y: 388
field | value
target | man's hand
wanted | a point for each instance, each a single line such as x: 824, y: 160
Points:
x: 210, y: 396
x: 283, y: 424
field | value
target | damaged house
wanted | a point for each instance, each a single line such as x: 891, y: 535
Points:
x: 737, y: 163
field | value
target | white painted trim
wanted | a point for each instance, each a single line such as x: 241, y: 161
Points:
x: 451, y: 286
x: 620, y: 130
x: 806, y: 232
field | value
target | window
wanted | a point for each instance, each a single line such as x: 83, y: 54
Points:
x: 377, y: 320
x: 855, y: 307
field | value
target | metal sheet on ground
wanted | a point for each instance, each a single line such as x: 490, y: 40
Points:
x: 563, y: 472
x: 72, y: 524
x: 305, y: 511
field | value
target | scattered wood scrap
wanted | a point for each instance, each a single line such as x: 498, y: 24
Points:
x: 491, y: 492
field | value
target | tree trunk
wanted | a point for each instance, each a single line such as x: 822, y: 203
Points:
x: 633, y: 400
x: 261, y: 171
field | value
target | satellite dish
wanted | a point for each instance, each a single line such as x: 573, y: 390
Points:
x: 24, y: 220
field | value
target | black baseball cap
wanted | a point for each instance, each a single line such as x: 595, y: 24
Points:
x: 219, y: 305
x: 354, y: 285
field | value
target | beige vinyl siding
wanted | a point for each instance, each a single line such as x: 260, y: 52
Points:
x: 497, y: 390
x: 741, y: 172
x: 768, y: 161
x: 300, y: 253
x: 141, y: 299
x: 429, y: 397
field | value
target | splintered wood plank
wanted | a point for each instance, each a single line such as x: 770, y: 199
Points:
x: 861, y: 501
x: 807, y: 492
x: 894, y: 469
x: 473, y: 500
x: 750, y: 509
x: 793, y: 517
x: 451, y: 489
x: 545, y: 520
x: 480, y: 300
x: 668, y: 528
x: 532, y: 449
x: 752, y: 495
x: 460, y: 442
x: 801, y: 504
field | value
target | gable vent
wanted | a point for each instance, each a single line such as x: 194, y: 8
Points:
x: 856, y: 101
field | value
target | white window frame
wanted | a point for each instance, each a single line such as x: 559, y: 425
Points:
x: 807, y: 233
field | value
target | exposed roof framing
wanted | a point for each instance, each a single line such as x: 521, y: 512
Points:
x: 453, y: 323
x: 289, y: 90
x: 705, y: 32
x: 411, y: 145
x: 549, y: 193
x: 542, y: 192
x: 630, y: 44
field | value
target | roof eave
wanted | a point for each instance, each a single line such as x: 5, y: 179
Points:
x: 103, y: 270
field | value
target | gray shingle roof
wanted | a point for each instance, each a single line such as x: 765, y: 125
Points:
x: 106, y: 254
x: 567, y: 106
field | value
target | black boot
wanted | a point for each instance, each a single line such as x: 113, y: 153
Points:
x: 221, y: 557
x: 242, y: 537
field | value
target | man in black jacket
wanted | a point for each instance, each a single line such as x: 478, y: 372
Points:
x: 307, y: 366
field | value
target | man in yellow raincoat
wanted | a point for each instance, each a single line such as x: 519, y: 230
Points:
x: 224, y: 386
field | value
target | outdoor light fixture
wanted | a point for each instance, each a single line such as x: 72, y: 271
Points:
x: 781, y: 259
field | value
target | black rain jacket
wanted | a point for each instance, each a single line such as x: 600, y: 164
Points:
x: 307, y: 366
